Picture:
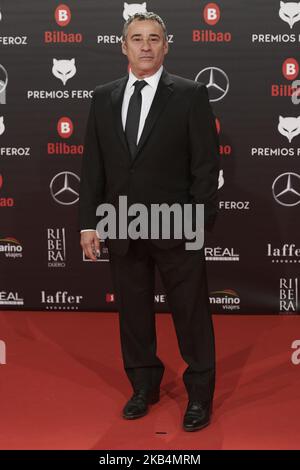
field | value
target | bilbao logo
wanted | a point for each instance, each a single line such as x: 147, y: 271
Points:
x: 65, y: 127
x: 62, y: 15
x: 5, y: 201
x: 290, y: 71
x: 290, y: 68
x: 211, y: 14
x: 65, y: 130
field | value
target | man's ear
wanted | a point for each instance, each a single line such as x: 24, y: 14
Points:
x: 124, y: 47
x: 166, y: 47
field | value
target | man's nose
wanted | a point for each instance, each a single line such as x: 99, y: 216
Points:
x: 146, y: 46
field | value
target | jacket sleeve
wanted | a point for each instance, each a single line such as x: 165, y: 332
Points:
x: 92, y: 179
x: 204, y: 155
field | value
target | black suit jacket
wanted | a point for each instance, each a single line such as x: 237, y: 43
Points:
x: 177, y: 158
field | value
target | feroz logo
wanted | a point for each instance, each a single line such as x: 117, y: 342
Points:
x: 289, y: 126
x: 132, y: 8
x: 289, y: 12
x: 64, y: 69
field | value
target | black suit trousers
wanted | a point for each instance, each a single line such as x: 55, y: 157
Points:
x: 183, y: 273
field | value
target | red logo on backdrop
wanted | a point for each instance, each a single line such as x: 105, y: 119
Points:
x: 110, y: 297
x: 211, y: 14
x: 62, y: 15
x: 218, y: 125
x: 5, y: 201
x: 290, y: 68
x: 65, y: 127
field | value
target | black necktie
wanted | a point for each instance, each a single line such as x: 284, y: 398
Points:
x: 133, y: 116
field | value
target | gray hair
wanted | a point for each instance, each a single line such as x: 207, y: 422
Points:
x: 148, y: 15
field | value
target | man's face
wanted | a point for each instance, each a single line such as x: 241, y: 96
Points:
x: 145, y: 47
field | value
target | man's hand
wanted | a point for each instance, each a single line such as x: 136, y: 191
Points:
x: 90, y: 244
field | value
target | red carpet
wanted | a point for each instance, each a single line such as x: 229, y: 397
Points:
x: 63, y: 386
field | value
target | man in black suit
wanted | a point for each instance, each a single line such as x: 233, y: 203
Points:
x: 151, y: 137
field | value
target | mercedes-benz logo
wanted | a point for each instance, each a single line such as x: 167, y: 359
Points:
x: 216, y: 80
x: 3, y: 84
x: 64, y: 188
x: 286, y: 189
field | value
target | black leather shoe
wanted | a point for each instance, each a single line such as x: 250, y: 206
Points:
x: 197, y: 415
x: 137, y: 406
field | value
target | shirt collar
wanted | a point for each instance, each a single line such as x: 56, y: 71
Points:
x: 152, y: 80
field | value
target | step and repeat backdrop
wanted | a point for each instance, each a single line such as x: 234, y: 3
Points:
x: 53, y: 54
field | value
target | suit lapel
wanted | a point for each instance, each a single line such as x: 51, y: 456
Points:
x: 117, y: 100
x: 163, y: 92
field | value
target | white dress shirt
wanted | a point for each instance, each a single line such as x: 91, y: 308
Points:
x: 148, y: 93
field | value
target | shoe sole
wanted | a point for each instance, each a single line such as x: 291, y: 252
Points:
x: 196, y: 428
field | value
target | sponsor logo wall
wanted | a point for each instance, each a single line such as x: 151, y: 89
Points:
x: 52, y: 57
